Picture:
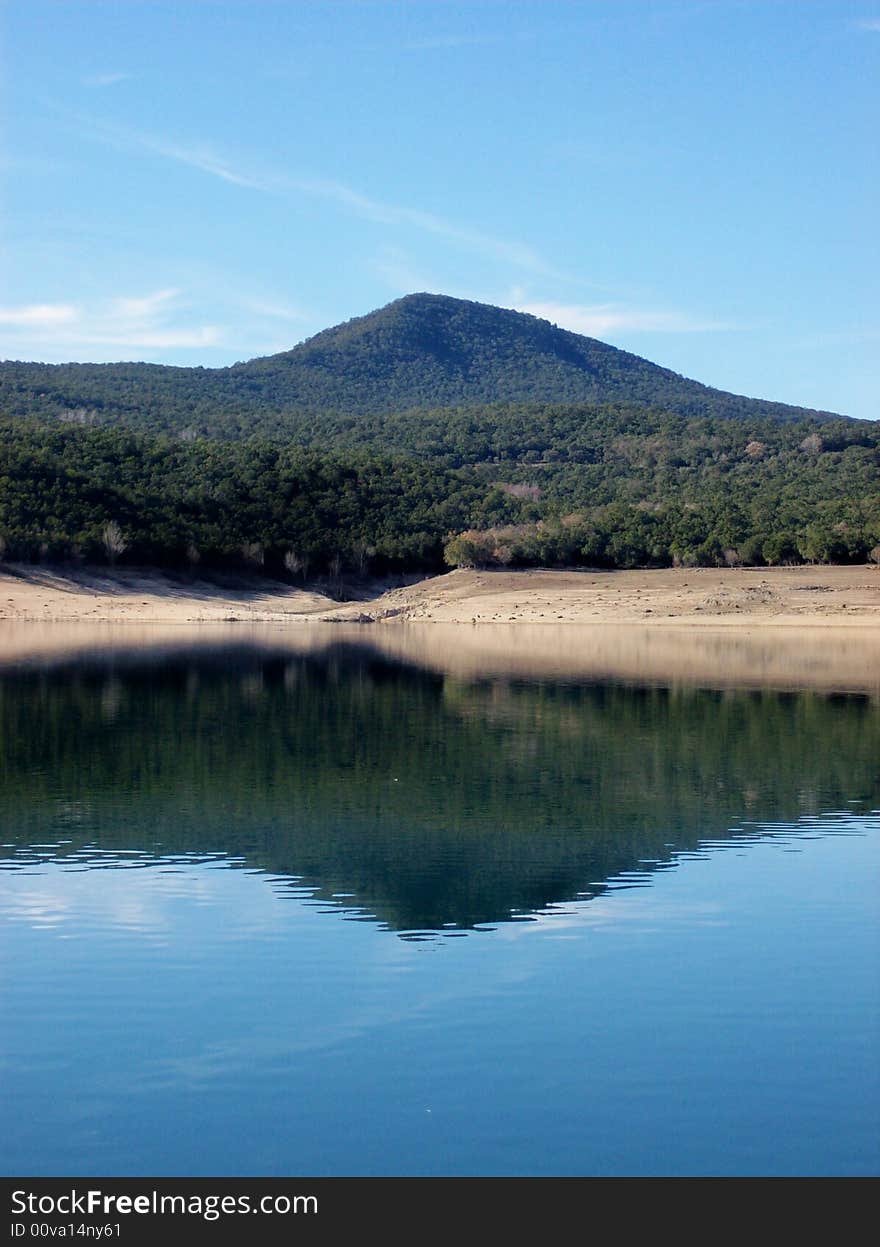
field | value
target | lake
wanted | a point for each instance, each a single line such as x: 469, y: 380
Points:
x: 354, y: 902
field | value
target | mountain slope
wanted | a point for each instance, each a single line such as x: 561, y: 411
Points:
x: 422, y: 351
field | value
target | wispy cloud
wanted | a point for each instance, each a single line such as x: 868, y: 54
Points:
x: 597, y: 320
x: 394, y: 214
x: 273, y: 310
x: 146, y: 307
x: 439, y: 42
x: 201, y: 157
x: 148, y: 322
x: 868, y: 23
x: 149, y: 325
x: 507, y: 34
x: 207, y: 160
x: 38, y: 315
x: 104, y: 80
x: 398, y: 271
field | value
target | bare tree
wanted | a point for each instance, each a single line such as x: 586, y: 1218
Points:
x: 533, y: 492
x: 252, y: 552
x: 113, y: 541
x: 363, y: 553
x: 296, y: 563
x: 335, y: 567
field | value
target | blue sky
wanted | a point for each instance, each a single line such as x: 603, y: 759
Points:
x: 200, y: 182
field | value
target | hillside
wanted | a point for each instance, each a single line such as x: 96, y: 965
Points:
x: 372, y: 448
x: 423, y: 351
x: 611, y: 494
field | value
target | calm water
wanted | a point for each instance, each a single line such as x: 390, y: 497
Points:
x: 269, y: 913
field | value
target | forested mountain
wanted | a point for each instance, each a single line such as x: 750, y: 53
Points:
x: 424, y: 351
x: 431, y: 430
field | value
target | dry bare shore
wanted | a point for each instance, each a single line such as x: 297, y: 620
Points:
x: 788, y: 628
x: 699, y: 597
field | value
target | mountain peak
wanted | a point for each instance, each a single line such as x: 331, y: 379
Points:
x: 423, y: 350
x: 433, y: 350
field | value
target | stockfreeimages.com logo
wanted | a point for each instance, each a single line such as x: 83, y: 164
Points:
x: 96, y: 1203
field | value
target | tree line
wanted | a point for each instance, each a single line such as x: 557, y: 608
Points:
x: 663, y: 492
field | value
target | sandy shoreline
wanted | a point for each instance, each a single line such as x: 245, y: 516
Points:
x: 698, y: 597
x: 791, y: 628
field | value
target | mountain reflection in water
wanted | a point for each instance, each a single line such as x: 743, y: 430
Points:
x: 426, y: 801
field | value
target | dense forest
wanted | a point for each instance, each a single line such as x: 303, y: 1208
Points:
x: 365, y: 450
x: 637, y: 491
x: 421, y: 352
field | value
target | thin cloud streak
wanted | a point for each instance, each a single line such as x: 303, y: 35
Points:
x: 439, y: 42
x: 601, y: 319
x: 104, y: 80
x: 392, y: 214
x: 202, y: 157
x: 206, y: 160
x: 276, y: 311
x: 147, y: 306
x: 126, y: 322
x: 38, y: 315
x: 171, y: 339
x: 396, y: 270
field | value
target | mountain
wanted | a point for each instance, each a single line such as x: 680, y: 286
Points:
x: 424, y: 351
